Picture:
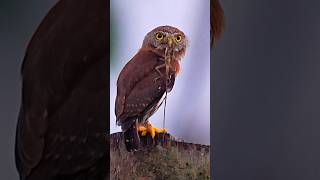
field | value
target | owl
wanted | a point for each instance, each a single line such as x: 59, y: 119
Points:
x: 144, y: 80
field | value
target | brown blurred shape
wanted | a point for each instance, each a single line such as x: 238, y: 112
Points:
x: 217, y: 19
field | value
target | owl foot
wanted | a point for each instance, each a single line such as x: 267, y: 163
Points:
x: 148, y: 128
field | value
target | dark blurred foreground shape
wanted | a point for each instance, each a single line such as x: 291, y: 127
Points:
x: 160, y: 158
x: 62, y: 130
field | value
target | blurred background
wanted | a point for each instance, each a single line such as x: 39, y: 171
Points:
x: 266, y: 120
x: 18, y: 22
x: 188, y: 104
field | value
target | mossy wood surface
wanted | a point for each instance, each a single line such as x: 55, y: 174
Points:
x: 161, y: 158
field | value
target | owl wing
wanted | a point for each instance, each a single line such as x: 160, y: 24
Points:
x: 63, y: 85
x: 137, y: 90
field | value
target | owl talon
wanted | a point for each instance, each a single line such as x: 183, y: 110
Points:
x: 143, y: 133
x: 148, y: 128
x: 143, y: 130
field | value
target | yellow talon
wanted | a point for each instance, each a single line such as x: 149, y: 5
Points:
x: 148, y: 128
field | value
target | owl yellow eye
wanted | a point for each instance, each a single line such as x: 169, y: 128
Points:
x: 178, y: 38
x: 159, y: 36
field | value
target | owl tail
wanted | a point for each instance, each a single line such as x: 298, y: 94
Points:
x: 131, y: 138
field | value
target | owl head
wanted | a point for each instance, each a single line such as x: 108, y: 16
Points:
x: 166, y: 37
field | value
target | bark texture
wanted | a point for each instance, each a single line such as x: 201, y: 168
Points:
x: 161, y: 158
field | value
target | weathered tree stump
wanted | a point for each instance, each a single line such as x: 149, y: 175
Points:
x: 161, y: 158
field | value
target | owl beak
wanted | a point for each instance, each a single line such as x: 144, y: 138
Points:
x: 170, y: 41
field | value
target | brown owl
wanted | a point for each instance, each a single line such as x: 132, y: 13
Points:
x: 145, y: 79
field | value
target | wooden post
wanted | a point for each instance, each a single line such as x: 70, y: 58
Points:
x: 161, y: 158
